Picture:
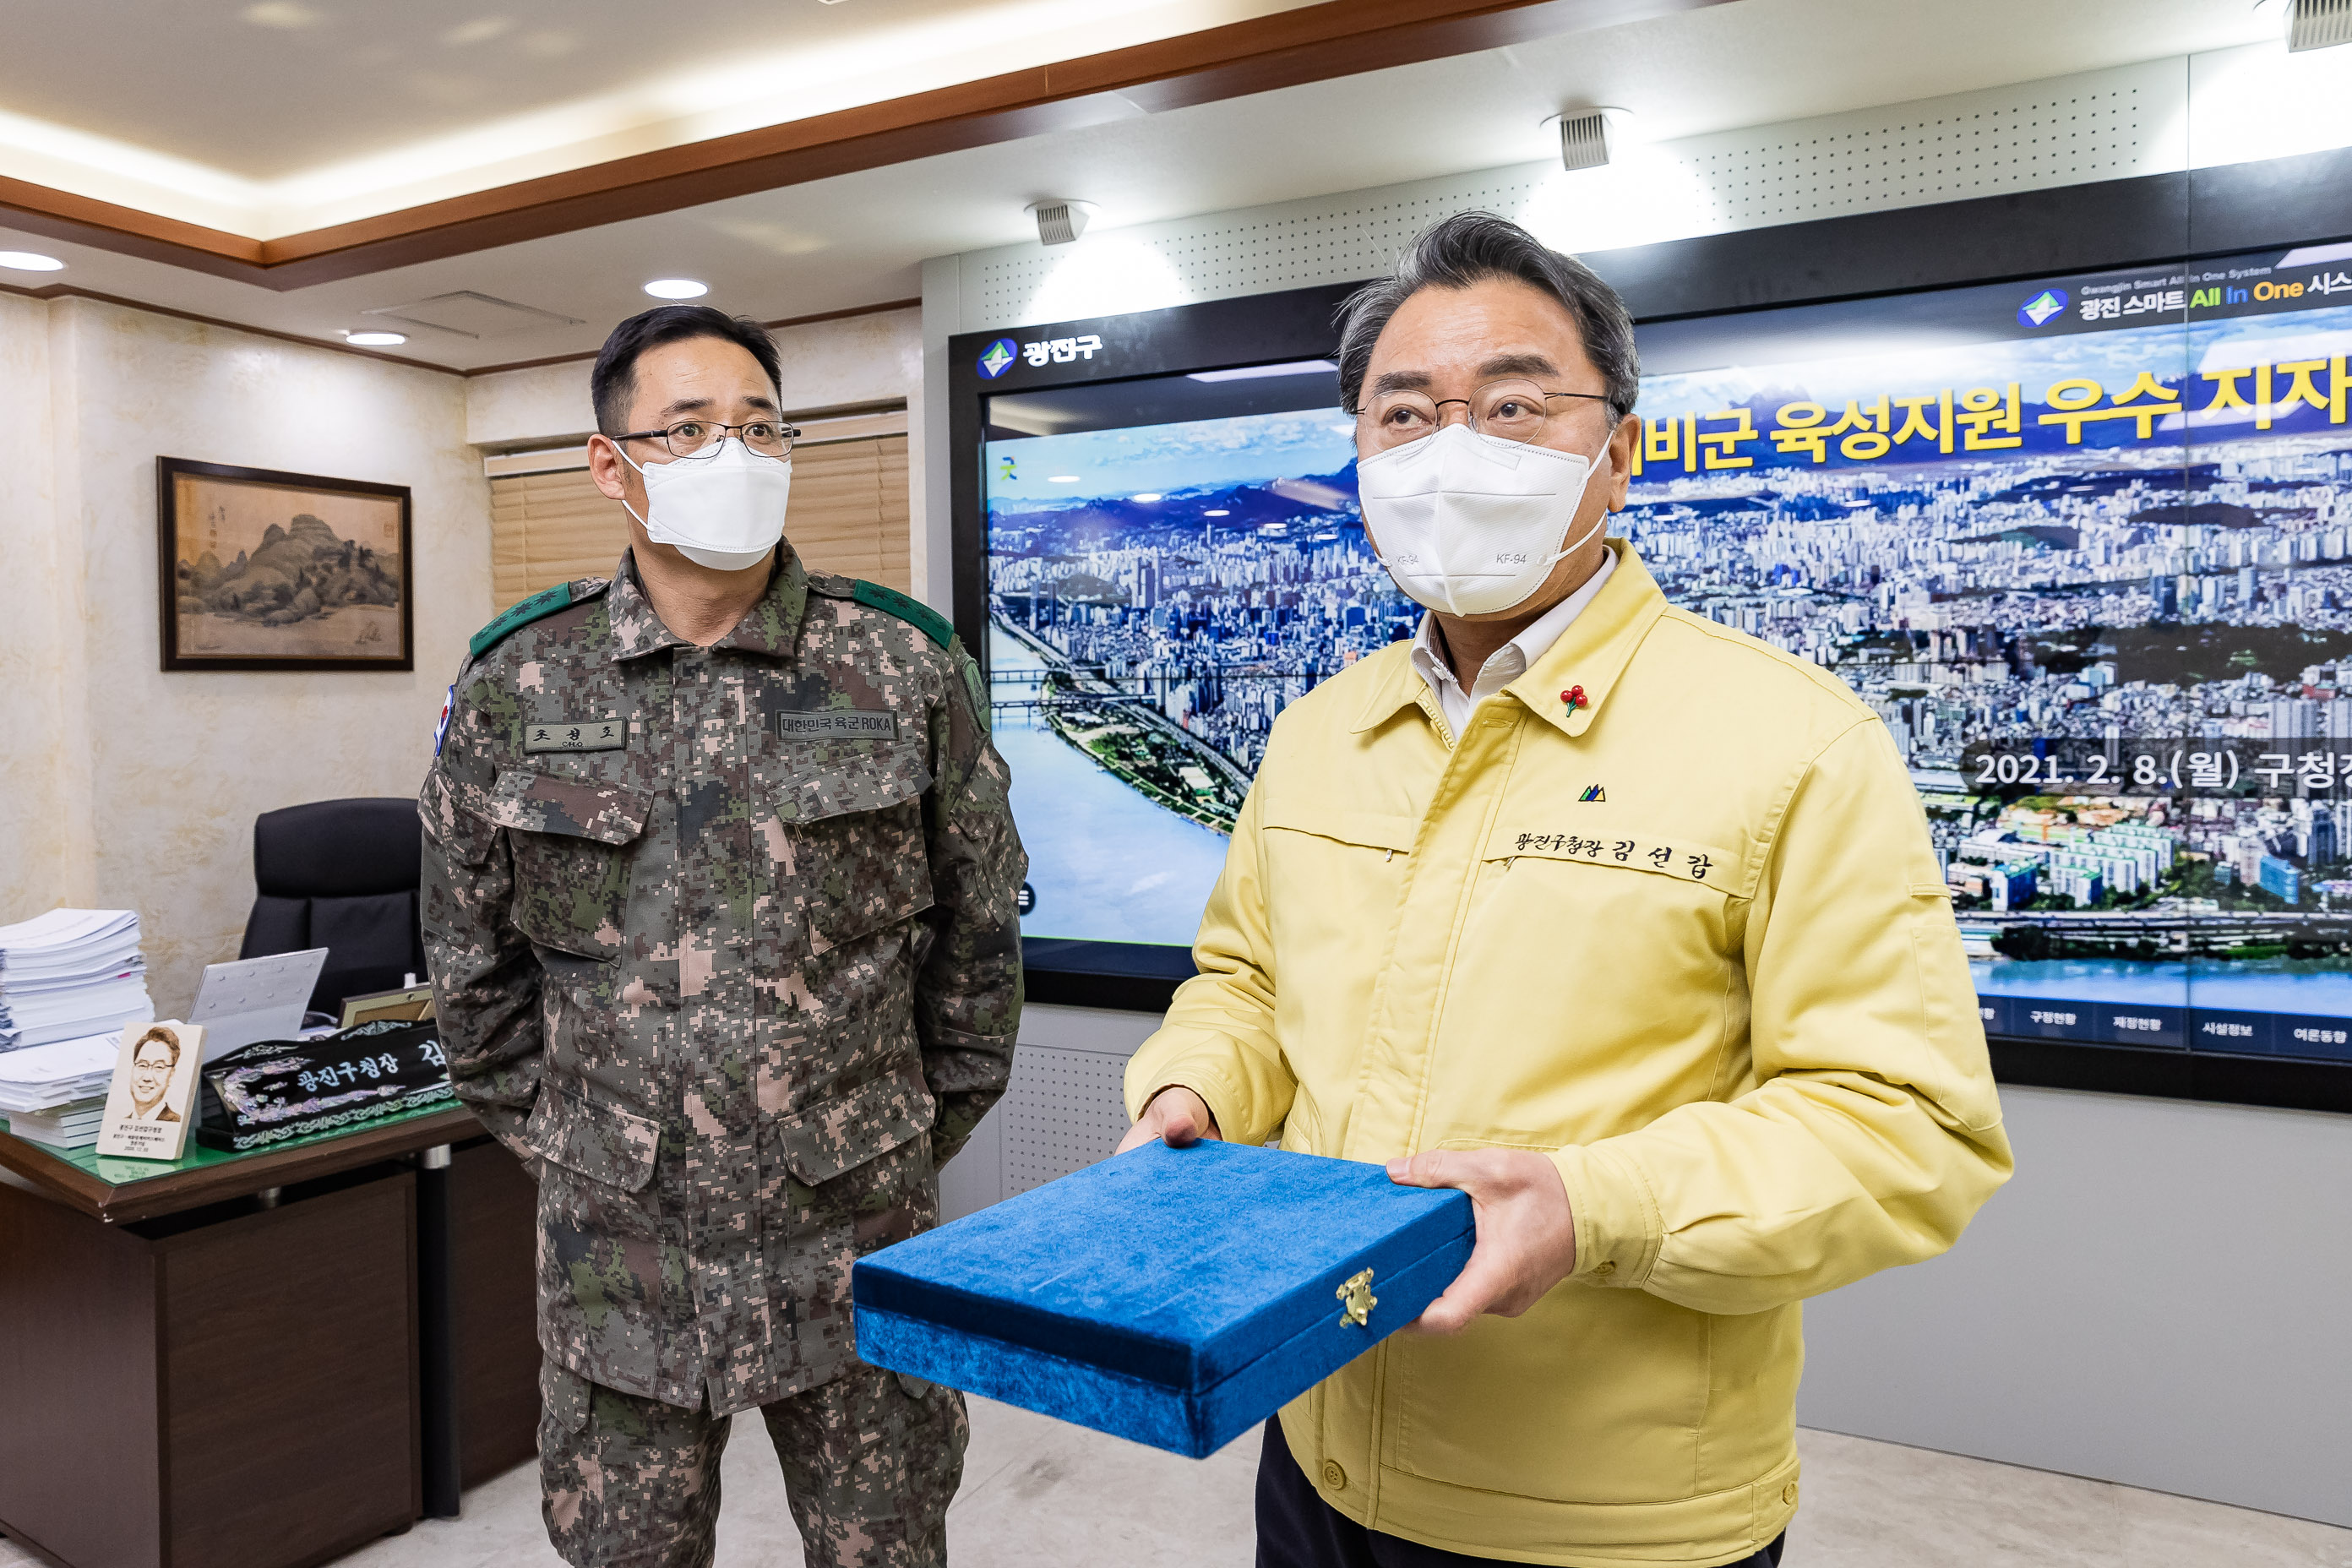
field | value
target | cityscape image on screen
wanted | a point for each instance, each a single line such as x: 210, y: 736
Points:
x: 2084, y: 544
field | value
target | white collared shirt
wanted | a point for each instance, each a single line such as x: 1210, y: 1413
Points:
x: 1507, y: 663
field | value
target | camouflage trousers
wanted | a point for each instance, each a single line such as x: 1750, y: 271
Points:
x: 870, y: 1461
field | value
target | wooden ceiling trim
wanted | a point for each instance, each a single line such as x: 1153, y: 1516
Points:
x: 127, y: 231
x: 1311, y: 43
x: 676, y: 178
x: 75, y: 291
x: 1421, y: 32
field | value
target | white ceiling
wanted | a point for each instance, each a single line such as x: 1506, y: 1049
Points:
x: 264, y: 118
x: 264, y: 90
x: 858, y: 239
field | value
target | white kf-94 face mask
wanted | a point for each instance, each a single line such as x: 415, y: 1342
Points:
x: 725, y: 512
x: 1469, y: 524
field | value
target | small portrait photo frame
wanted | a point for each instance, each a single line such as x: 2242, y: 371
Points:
x: 152, y: 1097
x: 407, y: 1005
x: 264, y: 569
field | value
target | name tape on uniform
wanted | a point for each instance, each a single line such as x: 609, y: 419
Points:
x: 576, y: 736
x: 1693, y: 862
x: 837, y: 724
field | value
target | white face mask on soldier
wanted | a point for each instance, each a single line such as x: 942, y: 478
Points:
x: 725, y: 512
x: 1469, y: 524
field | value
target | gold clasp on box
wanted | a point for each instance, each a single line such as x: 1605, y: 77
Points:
x: 1357, y: 1294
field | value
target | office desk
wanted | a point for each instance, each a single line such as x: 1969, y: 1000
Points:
x: 119, y: 1192
x: 262, y: 1360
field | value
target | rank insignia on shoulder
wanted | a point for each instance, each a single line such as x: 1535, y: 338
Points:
x: 914, y: 612
x: 575, y: 735
x: 537, y: 607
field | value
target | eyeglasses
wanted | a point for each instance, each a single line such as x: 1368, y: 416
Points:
x: 1512, y: 409
x: 700, y: 438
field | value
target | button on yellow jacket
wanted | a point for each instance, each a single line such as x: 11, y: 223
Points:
x: 1690, y: 942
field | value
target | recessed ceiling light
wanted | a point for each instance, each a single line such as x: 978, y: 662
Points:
x: 375, y: 340
x: 30, y: 261
x: 1061, y: 479
x: 1147, y: 497
x: 480, y: 30
x: 676, y: 288
x: 290, y: 14
x: 1216, y: 511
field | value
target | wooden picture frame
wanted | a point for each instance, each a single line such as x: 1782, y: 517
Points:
x: 263, y: 570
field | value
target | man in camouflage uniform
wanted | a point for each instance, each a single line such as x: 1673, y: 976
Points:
x: 724, y: 945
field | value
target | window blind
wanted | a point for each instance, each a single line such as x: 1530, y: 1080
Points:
x: 848, y: 514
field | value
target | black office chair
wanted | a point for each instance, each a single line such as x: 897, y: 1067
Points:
x: 341, y: 875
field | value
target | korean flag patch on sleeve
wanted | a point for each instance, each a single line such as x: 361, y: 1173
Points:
x: 441, y: 729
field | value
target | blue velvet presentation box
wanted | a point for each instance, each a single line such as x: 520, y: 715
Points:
x: 1176, y: 1296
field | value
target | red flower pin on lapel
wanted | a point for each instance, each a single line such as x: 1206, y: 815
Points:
x: 1574, y: 698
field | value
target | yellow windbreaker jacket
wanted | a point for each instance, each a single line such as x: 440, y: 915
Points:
x: 1688, y: 940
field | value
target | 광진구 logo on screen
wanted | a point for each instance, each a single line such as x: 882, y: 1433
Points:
x: 999, y: 357
x: 2041, y: 307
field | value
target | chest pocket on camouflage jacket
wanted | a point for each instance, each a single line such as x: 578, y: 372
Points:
x: 844, y: 834
x: 570, y: 839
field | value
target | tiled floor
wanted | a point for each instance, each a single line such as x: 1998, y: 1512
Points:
x: 1040, y: 1494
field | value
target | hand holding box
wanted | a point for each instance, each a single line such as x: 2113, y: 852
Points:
x: 1176, y: 1296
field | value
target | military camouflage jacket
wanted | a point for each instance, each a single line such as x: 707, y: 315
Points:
x: 724, y: 943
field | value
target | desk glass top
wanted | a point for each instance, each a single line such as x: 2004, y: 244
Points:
x: 117, y: 1171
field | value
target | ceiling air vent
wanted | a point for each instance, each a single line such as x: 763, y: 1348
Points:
x: 1583, y: 141
x: 2317, y: 24
x: 471, y: 315
x: 1060, y: 221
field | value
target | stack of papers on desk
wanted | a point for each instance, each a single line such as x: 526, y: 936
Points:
x: 70, y: 974
x: 74, y: 1127
x: 54, y: 1094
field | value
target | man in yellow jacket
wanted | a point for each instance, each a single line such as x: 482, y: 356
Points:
x: 1624, y: 923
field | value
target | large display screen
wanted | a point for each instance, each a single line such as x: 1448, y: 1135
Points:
x: 2084, y: 543
x: 1170, y: 561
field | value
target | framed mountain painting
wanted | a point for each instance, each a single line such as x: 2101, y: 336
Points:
x: 263, y: 570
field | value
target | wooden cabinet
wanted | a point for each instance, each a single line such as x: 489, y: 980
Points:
x: 493, y: 1235
x: 227, y: 1387
x: 225, y: 1366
